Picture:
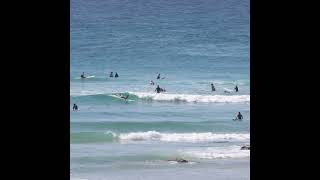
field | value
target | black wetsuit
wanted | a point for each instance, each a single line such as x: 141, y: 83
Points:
x: 111, y: 74
x: 125, y: 97
x: 116, y: 75
x: 75, y: 107
x: 236, y: 88
x: 212, y: 88
x: 158, y: 89
x: 239, y: 116
x: 158, y: 76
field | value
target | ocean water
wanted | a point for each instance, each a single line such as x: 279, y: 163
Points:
x: 191, y: 44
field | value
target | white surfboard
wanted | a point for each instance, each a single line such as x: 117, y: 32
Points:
x: 119, y: 97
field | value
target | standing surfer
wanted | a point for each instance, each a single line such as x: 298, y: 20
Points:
x: 236, y: 88
x: 158, y: 89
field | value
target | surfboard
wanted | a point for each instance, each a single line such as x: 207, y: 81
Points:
x: 237, y: 119
x: 226, y: 89
x: 119, y: 97
x: 90, y: 76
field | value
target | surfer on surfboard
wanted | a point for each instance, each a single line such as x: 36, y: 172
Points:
x: 125, y: 97
x: 82, y: 75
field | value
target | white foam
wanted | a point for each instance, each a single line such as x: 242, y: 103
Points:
x: 193, y: 98
x: 218, y: 152
x: 183, y: 137
x: 73, y: 178
x: 75, y: 93
x: 111, y: 133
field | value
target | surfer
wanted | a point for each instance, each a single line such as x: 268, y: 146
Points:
x: 116, y: 75
x: 239, y: 116
x: 117, y: 94
x: 180, y: 160
x: 236, y: 88
x: 111, y: 74
x: 151, y: 82
x: 82, y: 75
x: 245, y: 147
x: 158, y: 76
x: 121, y: 96
x: 212, y: 87
x: 125, y: 97
x: 158, y: 89
x: 75, y: 107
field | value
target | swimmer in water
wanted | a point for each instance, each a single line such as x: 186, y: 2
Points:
x: 212, y: 87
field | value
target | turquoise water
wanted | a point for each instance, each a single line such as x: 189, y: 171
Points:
x: 191, y: 44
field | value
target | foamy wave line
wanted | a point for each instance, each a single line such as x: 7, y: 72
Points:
x: 85, y: 93
x: 217, y: 152
x: 193, y: 98
x: 75, y: 178
x: 182, y: 137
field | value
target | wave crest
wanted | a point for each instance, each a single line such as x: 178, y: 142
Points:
x: 182, y: 137
x: 193, y: 98
x: 217, y: 152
